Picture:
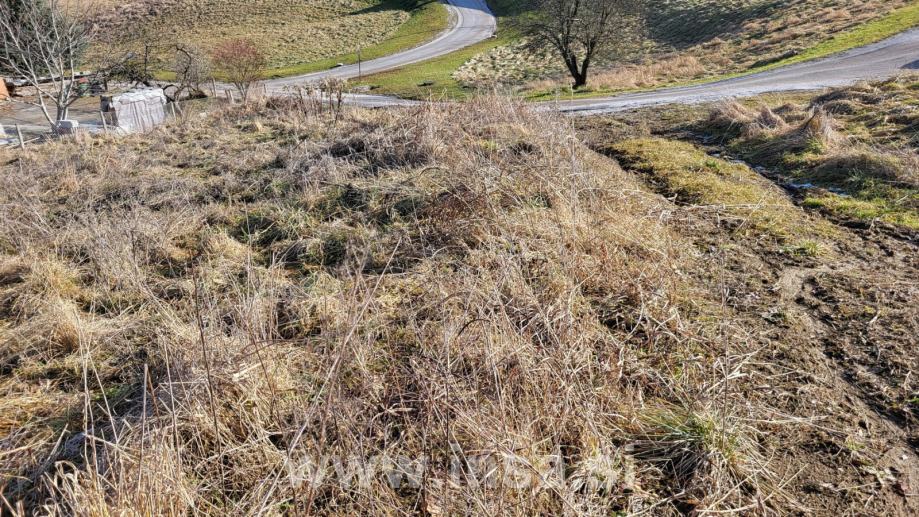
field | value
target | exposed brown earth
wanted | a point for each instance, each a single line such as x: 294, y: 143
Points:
x: 839, y: 324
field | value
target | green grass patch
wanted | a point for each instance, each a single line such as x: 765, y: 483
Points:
x: 871, y: 32
x: 876, y: 209
x: 867, y: 172
x: 428, y: 19
x: 434, y: 78
x: 696, y: 178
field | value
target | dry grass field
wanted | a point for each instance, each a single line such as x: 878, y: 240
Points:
x: 692, y: 39
x: 266, y: 308
x: 290, y: 32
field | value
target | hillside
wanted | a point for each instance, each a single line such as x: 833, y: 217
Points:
x: 289, y: 32
x: 694, y: 39
x: 449, y: 309
x: 850, y: 152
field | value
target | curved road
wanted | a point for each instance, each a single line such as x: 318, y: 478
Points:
x: 880, y: 60
x: 471, y: 22
x: 877, y: 61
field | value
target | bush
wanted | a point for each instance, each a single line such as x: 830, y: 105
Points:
x: 241, y: 63
x: 192, y: 67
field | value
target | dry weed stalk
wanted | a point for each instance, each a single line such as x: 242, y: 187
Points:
x: 233, y: 302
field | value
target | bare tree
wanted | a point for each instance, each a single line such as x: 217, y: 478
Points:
x: 580, y: 30
x: 241, y: 63
x: 192, y: 67
x: 44, y: 45
x: 143, y: 58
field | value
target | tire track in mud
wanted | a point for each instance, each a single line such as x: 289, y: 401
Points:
x: 864, y: 378
x: 899, y: 464
x: 898, y: 250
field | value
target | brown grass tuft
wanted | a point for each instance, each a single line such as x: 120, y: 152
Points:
x: 224, y: 310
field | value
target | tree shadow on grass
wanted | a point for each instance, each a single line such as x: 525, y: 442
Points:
x: 392, y: 5
x: 684, y: 23
x: 499, y: 7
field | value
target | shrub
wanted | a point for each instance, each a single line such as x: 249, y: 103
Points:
x: 241, y: 63
x: 192, y: 67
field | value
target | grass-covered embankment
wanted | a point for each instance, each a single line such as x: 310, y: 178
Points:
x: 435, y: 77
x: 295, y: 36
x: 427, y: 20
x: 790, y: 35
x: 857, y: 145
x: 286, y: 308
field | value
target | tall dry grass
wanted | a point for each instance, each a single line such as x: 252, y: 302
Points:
x: 194, y: 318
x: 662, y: 70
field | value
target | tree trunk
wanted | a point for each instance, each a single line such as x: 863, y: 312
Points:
x: 572, y: 63
x: 581, y: 79
x: 577, y: 70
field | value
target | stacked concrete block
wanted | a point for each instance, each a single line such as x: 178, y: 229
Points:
x: 136, y: 111
x: 67, y: 127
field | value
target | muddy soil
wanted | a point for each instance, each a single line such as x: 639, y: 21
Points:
x: 836, y: 338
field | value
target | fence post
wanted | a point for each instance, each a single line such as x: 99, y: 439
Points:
x: 22, y: 143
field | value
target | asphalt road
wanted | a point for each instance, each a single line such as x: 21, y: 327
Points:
x: 471, y: 22
x: 877, y: 61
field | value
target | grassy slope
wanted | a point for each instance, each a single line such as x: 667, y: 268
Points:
x: 898, y: 21
x: 189, y: 313
x: 428, y: 18
x: 406, y: 82
x: 862, y: 151
x: 855, y: 159
x: 698, y: 178
x: 830, y: 275
x: 297, y: 37
x: 872, y: 32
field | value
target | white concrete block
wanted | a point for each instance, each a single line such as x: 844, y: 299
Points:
x: 67, y: 127
x: 138, y: 110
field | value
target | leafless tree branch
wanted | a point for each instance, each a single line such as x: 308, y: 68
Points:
x: 581, y: 29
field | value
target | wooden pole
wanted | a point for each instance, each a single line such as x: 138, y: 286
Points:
x: 22, y: 142
x: 173, y: 106
x: 104, y: 123
x: 214, y: 87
